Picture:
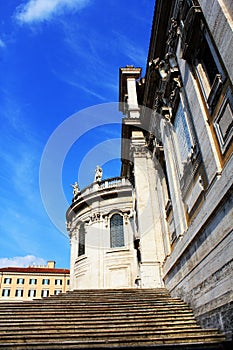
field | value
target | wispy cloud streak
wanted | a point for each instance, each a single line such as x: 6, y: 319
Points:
x: 2, y: 44
x: 43, y: 10
x: 136, y: 54
x: 22, y: 261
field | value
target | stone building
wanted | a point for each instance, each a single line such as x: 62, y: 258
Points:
x: 168, y: 220
x: 32, y: 282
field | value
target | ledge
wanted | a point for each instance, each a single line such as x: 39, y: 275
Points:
x: 117, y: 250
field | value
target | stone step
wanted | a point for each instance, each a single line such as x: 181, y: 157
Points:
x: 102, y: 319
x: 114, y: 300
x: 99, y: 308
x: 164, y: 319
x: 126, y: 291
x: 97, y: 324
x: 74, y: 299
x: 105, y: 333
x: 127, y: 319
x: 117, y: 344
x: 93, y: 325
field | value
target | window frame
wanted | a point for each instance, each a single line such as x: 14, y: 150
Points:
x: 6, y: 279
x: 193, y: 149
x: 44, y: 291
x: 20, y: 280
x: 81, y: 240
x: 114, y: 235
x: 57, y: 291
x: 19, y: 291
x: 7, y: 291
x: 60, y: 282
x: 210, y: 89
x: 224, y: 142
x: 31, y: 281
x: 44, y: 283
x: 34, y: 293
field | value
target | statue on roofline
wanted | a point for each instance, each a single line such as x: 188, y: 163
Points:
x: 98, y: 174
x: 76, y: 189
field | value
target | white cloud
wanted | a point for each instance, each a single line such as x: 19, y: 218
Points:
x: 136, y: 54
x: 41, y: 10
x: 2, y: 44
x: 22, y: 261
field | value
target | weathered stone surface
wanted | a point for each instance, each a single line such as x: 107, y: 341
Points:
x: 95, y: 319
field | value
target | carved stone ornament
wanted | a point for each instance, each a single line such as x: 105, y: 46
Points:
x: 95, y: 217
x: 70, y: 226
x: 126, y: 218
x: 106, y: 221
x: 158, y: 102
x: 138, y: 150
x: 172, y: 34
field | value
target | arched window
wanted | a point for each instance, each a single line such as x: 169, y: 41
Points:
x: 116, y: 231
x: 81, y: 240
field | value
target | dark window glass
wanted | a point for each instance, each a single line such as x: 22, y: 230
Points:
x: 32, y: 293
x: 206, y: 58
x: 116, y: 231
x: 58, y: 282
x: 7, y: 280
x: 182, y: 132
x: 81, y: 240
x: 20, y: 281
x: 56, y: 292
x: 33, y: 281
x: 19, y: 293
x: 44, y: 293
x: 6, y: 292
x: 46, y: 281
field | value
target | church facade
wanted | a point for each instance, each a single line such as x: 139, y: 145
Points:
x: 167, y: 221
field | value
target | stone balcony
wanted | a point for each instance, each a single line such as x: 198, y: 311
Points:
x: 116, y: 187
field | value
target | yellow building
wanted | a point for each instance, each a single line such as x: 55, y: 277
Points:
x: 27, y: 283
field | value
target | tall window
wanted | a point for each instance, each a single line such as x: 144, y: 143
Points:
x: 46, y: 281
x: 57, y: 291
x: 209, y: 71
x: 32, y: 293
x: 33, y: 281
x: 19, y: 292
x: 116, y: 231
x: 6, y: 292
x: 44, y: 293
x: 208, y: 64
x: 183, y: 133
x: 81, y: 240
x: 58, y: 282
x: 20, y: 280
x: 7, y: 280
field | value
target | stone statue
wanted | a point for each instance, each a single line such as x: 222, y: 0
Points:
x: 76, y: 189
x: 98, y: 174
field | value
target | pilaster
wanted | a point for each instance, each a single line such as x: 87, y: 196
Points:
x: 148, y: 213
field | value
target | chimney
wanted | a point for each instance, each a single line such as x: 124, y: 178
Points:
x: 51, y: 264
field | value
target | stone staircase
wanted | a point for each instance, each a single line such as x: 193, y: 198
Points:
x: 104, y: 319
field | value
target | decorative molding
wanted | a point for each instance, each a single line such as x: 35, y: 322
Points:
x: 190, y: 32
x: 173, y: 34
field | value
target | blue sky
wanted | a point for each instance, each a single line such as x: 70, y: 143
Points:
x: 58, y: 57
